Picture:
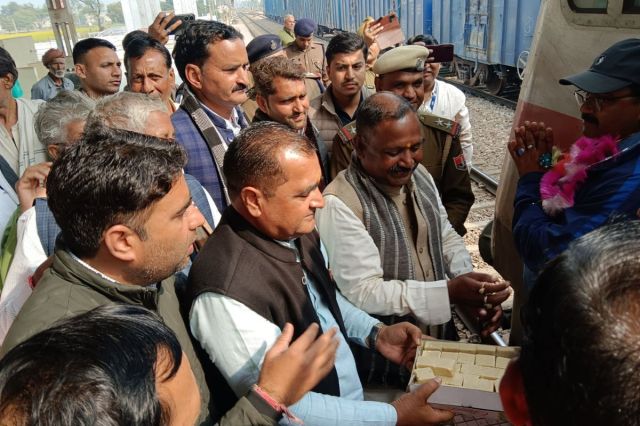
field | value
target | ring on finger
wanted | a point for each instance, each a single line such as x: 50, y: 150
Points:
x: 529, y: 146
x: 520, y: 151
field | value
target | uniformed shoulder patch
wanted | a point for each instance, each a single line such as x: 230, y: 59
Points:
x: 347, y: 133
x: 440, y: 123
x: 459, y: 162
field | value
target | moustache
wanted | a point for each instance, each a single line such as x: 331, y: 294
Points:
x: 240, y: 88
x: 589, y: 118
x: 399, y: 170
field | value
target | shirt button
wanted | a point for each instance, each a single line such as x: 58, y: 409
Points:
x: 421, y: 250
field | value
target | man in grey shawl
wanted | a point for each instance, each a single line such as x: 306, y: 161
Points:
x: 391, y: 248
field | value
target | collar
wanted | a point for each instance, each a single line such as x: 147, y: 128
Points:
x: 220, y: 121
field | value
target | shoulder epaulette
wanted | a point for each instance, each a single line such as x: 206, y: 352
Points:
x: 440, y: 123
x: 348, y: 132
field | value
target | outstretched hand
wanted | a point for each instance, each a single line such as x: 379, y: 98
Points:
x: 292, y: 369
x: 413, y: 409
x: 398, y: 343
x: 160, y: 28
x: 531, y: 141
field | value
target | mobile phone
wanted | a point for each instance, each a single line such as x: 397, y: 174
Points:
x: 441, y: 52
x: 391, y: 34
x: 185, y: 18
x: 387, y: 20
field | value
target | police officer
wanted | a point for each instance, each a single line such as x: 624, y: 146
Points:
x: 307, y: 53
x: 267, y: 46
x: 400, y: 70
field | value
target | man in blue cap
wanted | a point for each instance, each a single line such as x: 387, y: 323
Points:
x: 545, y: 222
x: 307, y: 53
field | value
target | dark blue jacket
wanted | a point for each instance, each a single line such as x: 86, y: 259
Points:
x: 612, y: 189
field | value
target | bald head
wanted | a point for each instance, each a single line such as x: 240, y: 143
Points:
x: 380, y: 107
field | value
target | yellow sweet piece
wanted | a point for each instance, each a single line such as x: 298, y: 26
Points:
x: 485, y: 360
x: 474, y: 382
x: 431, y: 354
x: 466, y: 358
x: 469, y: 380
x: 467, y: 348
x: 485, y: 349
x: 423, y: 361
x: 423, y: 375
x: 502, y: 362
x: 456, y: 380
x: 442, y: 366
x: 490, y: 373
x: 508, y: 351
x: 485, y: 385
x: 450, y: 346
x: 432, y: 345
x: 449, y: 355
x: 472, y: 369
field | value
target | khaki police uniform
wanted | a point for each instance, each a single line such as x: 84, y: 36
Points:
x: 311, y: 60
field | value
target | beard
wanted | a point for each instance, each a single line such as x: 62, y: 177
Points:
x: 59, y: 73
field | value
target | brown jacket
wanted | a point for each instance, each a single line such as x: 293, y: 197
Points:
x: 323, y: 115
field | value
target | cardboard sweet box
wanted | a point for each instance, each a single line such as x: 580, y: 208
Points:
x: 470, y: 373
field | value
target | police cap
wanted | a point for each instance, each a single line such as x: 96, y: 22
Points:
x: 263, y: 46
x: 401, y: 58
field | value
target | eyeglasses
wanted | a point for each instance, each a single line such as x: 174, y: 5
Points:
x: 596, y: 101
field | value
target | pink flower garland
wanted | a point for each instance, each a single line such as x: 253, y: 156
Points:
x: 558, y: 186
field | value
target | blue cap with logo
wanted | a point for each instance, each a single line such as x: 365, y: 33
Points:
x: 262, y: 46
x: 614, y: 69
x: 305, y: 27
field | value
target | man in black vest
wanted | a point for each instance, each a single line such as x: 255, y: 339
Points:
x: 263, y: 267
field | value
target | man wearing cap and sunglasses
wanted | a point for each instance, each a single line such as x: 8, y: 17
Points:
x: 600, y: 176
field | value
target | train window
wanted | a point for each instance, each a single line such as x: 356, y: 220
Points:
x: 589, y: 6
x: 631, y: 6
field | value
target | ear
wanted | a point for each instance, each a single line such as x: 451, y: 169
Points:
x: 513, y: 396
x: 358, y: 145
x: 377, y: 82
x: 252, y: 200
x: 7, y: 81
x: 121, y: 243
x: 262, y: 103
x: 172, y: 77
x: 53, y: 151
x: 193, y: 74
x: 81, y: 71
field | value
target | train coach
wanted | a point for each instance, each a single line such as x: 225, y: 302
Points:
x: 568, y: 36
x: 492, y: 38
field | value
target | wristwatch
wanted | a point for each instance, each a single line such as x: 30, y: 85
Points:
x: 372, y: 338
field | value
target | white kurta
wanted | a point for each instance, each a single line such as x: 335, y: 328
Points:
x: 355, y: 263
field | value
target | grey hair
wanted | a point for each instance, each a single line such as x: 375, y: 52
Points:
x: 52, y: 117
x: 124, y: 111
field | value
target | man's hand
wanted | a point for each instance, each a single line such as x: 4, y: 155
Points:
x: 371, y: 31
x: 531, y: 141
x: 398, y: 343
x: 290, y: 371
x: 31, y: 184
x: 413, y: 409
x: 478, y: 290
x: 160, y: 30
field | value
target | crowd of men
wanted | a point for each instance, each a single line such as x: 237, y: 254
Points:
x: 189, y: 263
